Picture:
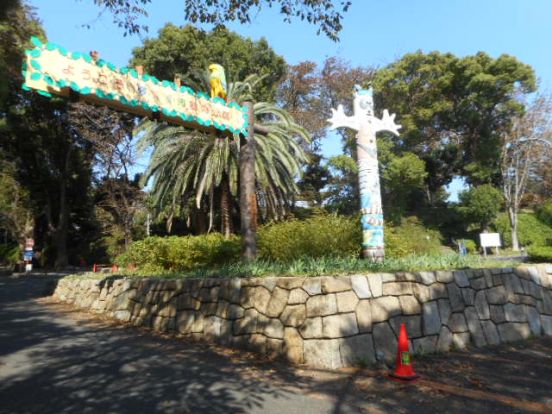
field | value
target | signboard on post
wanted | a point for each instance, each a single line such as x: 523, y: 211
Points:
x: 489, y: 240
x: 52, y: 70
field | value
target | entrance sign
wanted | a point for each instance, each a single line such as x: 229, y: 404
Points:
x: 52, y: 70
x: 490, y: 240
x: 364, y: 121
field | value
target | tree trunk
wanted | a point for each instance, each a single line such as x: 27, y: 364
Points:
x: 248, y: 199
x: 513, y: 216
x: 226, y: 209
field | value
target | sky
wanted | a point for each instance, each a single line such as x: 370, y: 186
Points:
x: 375, y: 33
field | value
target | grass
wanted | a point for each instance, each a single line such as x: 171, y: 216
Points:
x: 328, y: 266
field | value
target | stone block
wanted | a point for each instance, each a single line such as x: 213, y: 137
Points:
x: 376, y: 284
x: 185, y: 321
x: 222, y: 309
x: 422, y: 292
x: 274, y: 329
x: 488, y: 278
x: 357, y: 350
x: 397, y: 288
x: 425, y: 345
x: 346, y: 301
x: 247, y: 324
x: 293, y: 346
x: 460, y: 340
x: 474, y: 326
x: 444, y: 276
x: 211, y: 328
x: 413, y: 325
x: 478, y: 283
x: 481, y: 305
x: 247, y: 297
x: 312, y: 286
x: 122, y: 315
x: 409, y: 305
x: 321, y: 305
x: 512, y: 283
x: 230, y: 290
x: 534, y: 320
x: 461, y: 278
x: 490, y: 332
x: 269, y: 283
x: 497, y: 295
x: 290, y: 283
x: 297, y: 297
x: 261, y: 299
x: 438, y: 291
x: 235, y: 312
x: 497, y: 313
x: 427, y: 278
x: 546, y: 323
x: 445, y: 340
x: 547, y: 303
x: 431, y: 318
x: 262, y: 323
x: 385, y: 342
x: 274, y: 347
x: 515, y: 313
x: 512, y: 331
x: 339, y: 326
x: 360, y: 286
x: 209, y: 309
x: 455, y: 297
x: 406, y: 277
x: 311, y: 328
x: 444, y: 310
x: 388, y: 277
x: 277, y: 302
x: 468, y: 295
x: 384, y: 307
x: 334, y: 284
x: 294, y: 315
x: 457, y: 323
x: 322, y: 353
x: 364, y: 316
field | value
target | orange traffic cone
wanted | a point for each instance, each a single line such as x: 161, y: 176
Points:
x: 404, y: 369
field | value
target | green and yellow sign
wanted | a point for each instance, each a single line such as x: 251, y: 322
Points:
x: 51, y: 69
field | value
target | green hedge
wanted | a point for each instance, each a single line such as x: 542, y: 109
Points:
x: 329, y: 236
x: 544, y: 212
x: 322, y: 235
x: 531, y: 231
x: 540, y: 254
x: 180, y: 253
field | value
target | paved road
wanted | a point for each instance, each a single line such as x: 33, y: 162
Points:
x: 54, y: 359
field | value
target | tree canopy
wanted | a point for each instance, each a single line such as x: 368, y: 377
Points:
x: 187, y: 51
x: 326, y: 14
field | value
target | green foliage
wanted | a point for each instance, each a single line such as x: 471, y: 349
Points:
x: 188, y: 51
x: 326, y: 266
x: 180, y: 253
x: 540, y: 253
x: 531, y: 231
x: 319, y: 236
x: 480, y: 205
x: 411, y: 237
x: 470, y: 245
x: 9, y: 254
x: 454, y: 109
x: 544, y: 212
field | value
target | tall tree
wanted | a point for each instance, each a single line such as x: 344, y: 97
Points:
x: 188, y: 51
x: 454, y: 110
x: 326, y: 14
x: 525, y: 147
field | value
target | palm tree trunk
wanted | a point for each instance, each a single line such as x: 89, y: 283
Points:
x: 226, y: 209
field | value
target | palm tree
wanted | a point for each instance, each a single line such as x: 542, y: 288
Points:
x: 189, y: 164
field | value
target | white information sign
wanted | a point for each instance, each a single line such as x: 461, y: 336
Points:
x: 490, y: 240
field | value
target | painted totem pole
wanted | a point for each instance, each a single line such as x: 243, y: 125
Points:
x: 367, y: 125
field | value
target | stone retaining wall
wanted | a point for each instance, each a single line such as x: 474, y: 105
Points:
x: 331, y: 322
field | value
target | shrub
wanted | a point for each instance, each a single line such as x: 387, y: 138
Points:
x: 544, y: 212
x: 470, y: 245
x: 540, y: 253
x: 480, y: 205
x: 181, y: 253
x: 321, y: 235
x: 10, y: 254
x: 531, y: 231
x: 411, y: 237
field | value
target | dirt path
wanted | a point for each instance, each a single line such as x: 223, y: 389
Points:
x: 54, y: 359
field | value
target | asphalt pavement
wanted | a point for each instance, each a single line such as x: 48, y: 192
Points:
x: 55, y: 359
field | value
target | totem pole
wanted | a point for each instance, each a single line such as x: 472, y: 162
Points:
x: 366, y: 124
